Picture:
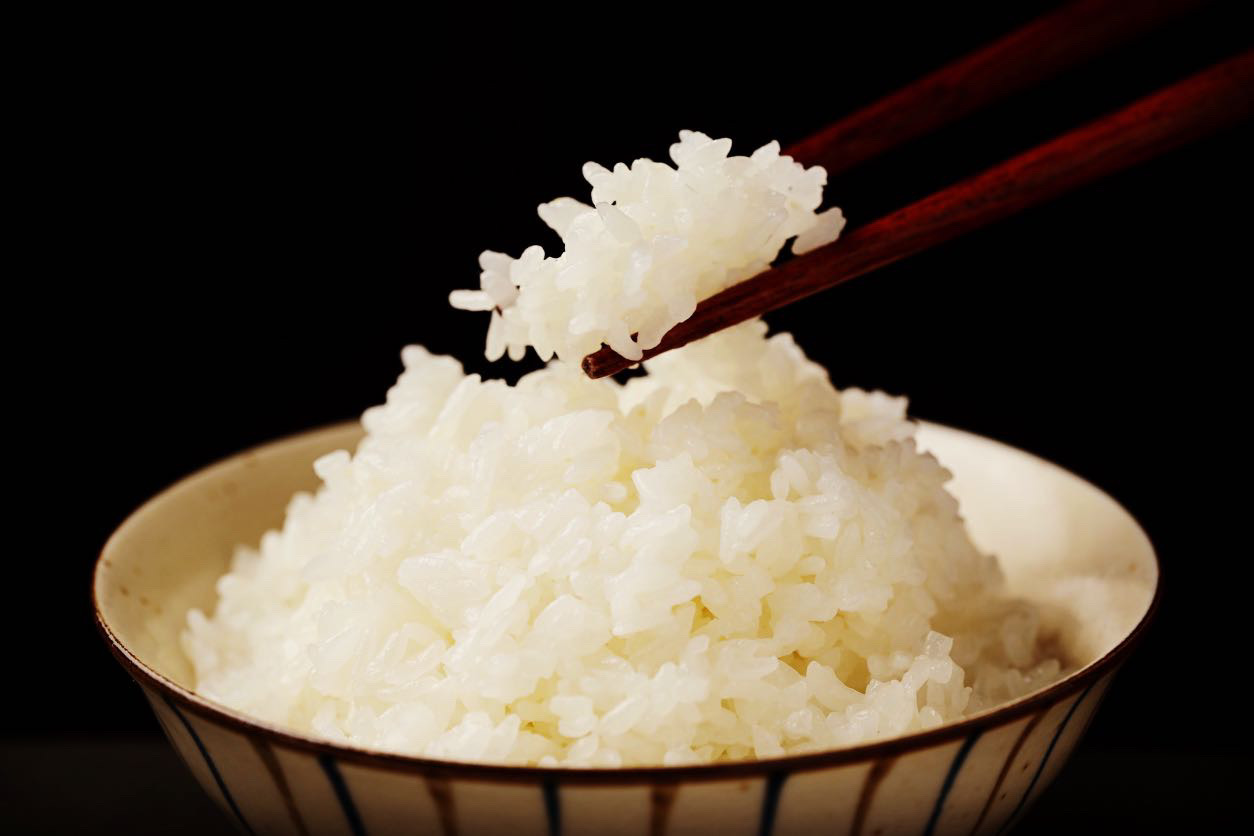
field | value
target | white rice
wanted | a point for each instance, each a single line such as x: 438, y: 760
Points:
x: 654, y: 242
x: 724, y: 559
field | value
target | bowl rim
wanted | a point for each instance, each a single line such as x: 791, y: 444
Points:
x: 1040, y: 700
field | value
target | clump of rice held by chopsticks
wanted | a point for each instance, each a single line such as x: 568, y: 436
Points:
x: 655, y: 241
x: 726, y: 558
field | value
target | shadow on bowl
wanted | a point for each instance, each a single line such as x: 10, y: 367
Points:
x: 1062, y: 543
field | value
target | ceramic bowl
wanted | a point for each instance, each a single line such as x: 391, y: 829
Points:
x: 1061, y: 541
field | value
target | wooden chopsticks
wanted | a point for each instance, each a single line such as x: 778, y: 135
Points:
x: 1043, y: 48
x: 1188, y: 110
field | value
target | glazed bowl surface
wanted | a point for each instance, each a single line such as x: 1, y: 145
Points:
x: 1062, y: 543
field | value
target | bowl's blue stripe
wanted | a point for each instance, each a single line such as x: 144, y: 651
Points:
x: 954, y: 769
x: 770, y: 801
x: 553, y: 806
x: 1040, y: 768
x: 165, y: 729
x: 341, y: 792
x: 213, y: 768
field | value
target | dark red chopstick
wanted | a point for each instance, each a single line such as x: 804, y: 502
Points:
x: 1048, y: 45
x: 1188, y: 110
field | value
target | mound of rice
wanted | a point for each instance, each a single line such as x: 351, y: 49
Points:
x: 724, y: 559
x: 655, y: 241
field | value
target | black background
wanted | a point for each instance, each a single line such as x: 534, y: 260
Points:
x: 235, y: 234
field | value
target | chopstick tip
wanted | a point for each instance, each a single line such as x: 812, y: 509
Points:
x: 604, y: 362
x: 591, y: 367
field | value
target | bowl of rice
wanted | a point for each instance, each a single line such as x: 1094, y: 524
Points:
x: 719, y: 597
